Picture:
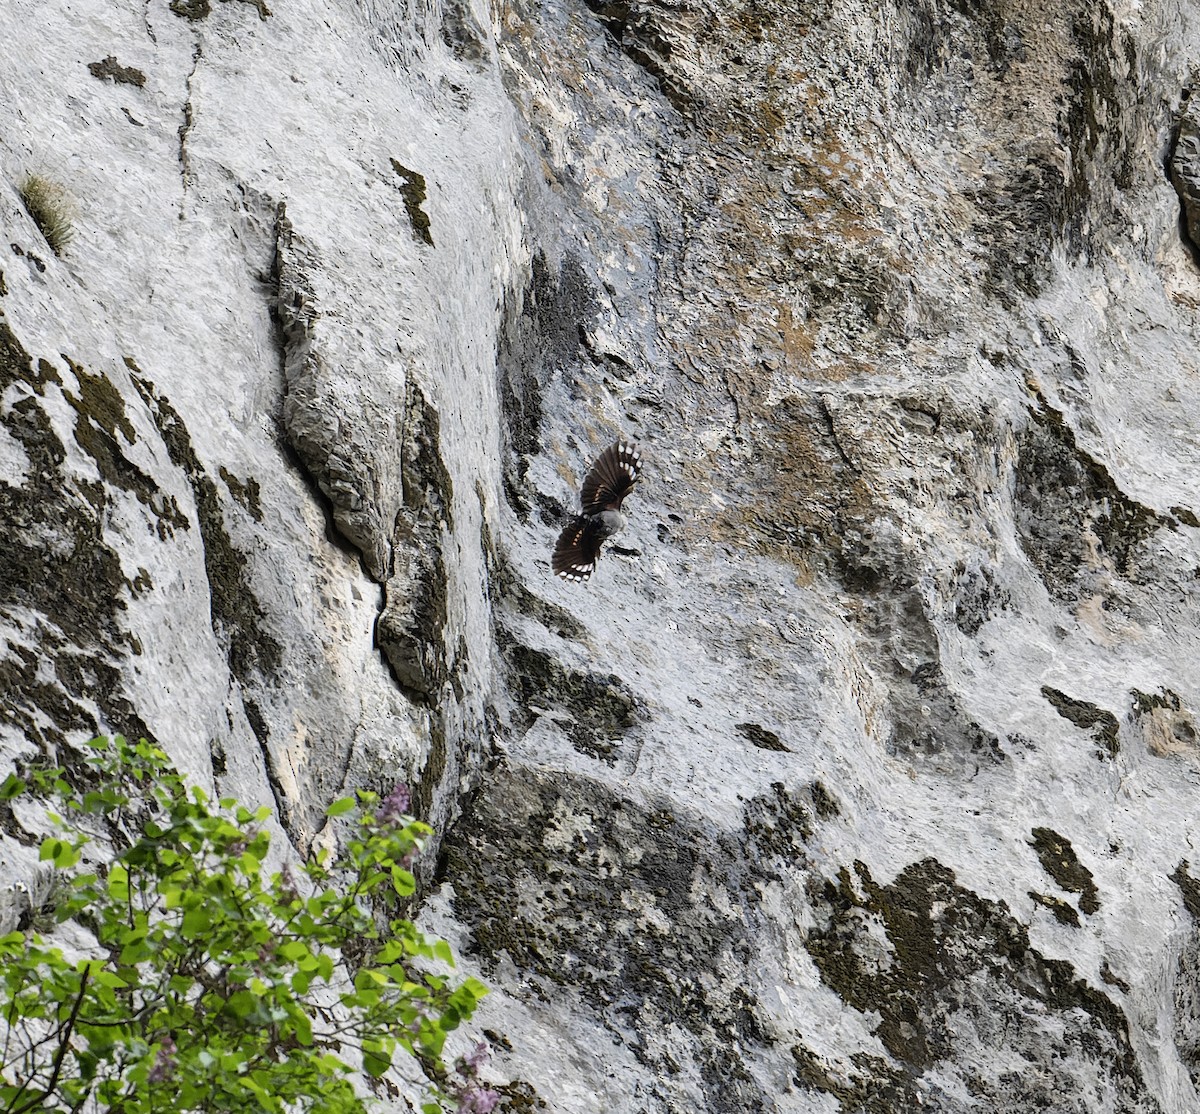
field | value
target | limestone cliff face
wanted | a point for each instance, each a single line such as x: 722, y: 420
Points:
x: 865, y: 775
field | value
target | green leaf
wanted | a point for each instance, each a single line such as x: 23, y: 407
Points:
x: 376, y: 1063
x: 293, y: 950
x: 402, y: 881
x: 12, y: 786
x: 196, y: 921
x: 118, y: 883
x: 339, y: 808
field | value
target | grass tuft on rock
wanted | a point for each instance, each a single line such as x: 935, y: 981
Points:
x: 47, y: 203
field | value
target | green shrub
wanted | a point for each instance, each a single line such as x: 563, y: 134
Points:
x: 47, y: 203
x: 213, y: 986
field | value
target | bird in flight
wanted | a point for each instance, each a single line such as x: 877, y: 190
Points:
x: 608, y: 481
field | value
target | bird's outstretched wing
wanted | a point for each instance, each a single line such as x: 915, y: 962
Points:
x: 611, y: 478
x: 578, y: 549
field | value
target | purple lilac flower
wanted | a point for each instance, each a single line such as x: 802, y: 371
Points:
x: 288, y: 891
x: 396, y: 804
x: 477, y: 1100
x: 479, y: 1057
x: 164, y: 1061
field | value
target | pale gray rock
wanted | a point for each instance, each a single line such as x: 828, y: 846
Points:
x: 863, y: 776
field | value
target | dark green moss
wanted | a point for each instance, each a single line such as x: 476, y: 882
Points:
x: 412, y: 189
x: 873, y: 1086
x: 519, y: 1097
x: 99, y: 417
x: 191, y: 9
x: 111, y: 69
x: 1065, y: 496
x: 1102, y: 724
x: 1145, y: 702
x: 247, y: 494
x: 1063, y: 911
x: 777, y: 824
x: 56, y: 565
x: 824, y: 801
x: 535, y: 849
x: 1189, y: 888
x: 1059, y: 860
x: 761, y: 737
x: 950, y: 948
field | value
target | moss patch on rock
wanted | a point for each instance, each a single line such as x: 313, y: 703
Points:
x: 56, y: 565
x: 923, y: 954
x: 1189, y: 888
x: 761, y: 737
x: 1059, y: 860
x: 651, y: 956
x: 601, y: 708
x: 1064, y: 912
x: 112, y: 70
x: 412, y: 190
x: 1102, y: 724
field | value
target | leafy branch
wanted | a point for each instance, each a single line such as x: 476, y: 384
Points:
x: 215, y: 986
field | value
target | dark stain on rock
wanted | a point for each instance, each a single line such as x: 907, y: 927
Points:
x: 1189, y: 888
x: 929, y: 723
x: 601, y: 708
x: 1103, y: 725
x: 978, y: 597
x: 237, y: 617
x: 510, y: 592
x: 1059, y: 860
x: 638, y: 30
x: 541, y: 331
x: 462, y: 33
x: 1064, y: 497
x: 1110, y: 977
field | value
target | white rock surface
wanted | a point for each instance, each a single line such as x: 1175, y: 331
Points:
x: 864, y: 774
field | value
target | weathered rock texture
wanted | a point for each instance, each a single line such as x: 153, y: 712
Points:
x: 865, y: 775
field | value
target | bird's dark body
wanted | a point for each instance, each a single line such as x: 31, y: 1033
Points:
x: 607, y: 483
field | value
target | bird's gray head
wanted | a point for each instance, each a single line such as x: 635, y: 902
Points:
x: 611, y: 522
